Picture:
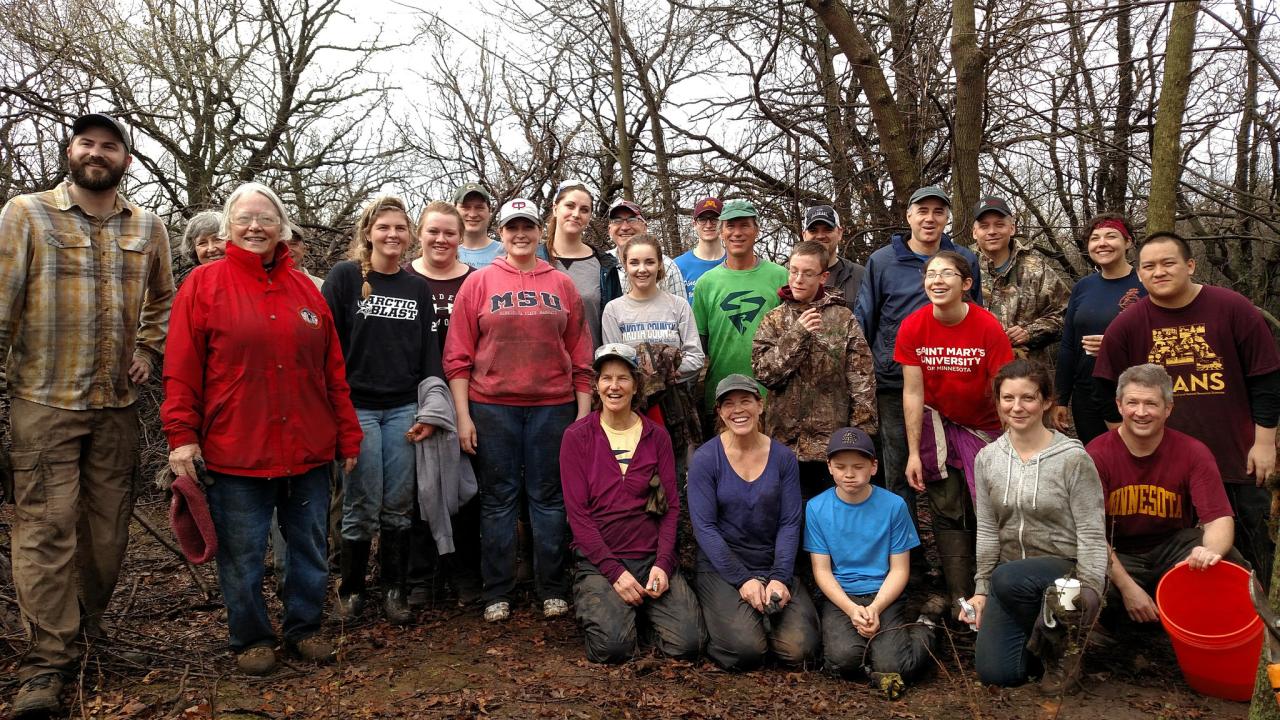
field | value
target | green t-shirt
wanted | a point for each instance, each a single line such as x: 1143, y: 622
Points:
x: 728, y: 306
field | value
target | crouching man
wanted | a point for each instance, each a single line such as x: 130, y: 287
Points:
x: 1157, y: 483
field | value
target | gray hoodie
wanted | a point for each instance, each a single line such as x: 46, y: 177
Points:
x: 1050, y: 505
x: 446, y: 481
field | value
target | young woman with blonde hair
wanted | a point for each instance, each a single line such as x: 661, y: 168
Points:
x: 384, y: 317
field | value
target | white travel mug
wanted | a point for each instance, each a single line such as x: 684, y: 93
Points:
x: 1068, y: 592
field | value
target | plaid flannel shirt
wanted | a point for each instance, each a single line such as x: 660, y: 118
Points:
x: 80, y: 297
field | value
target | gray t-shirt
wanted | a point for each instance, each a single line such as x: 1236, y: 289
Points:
x: 585, y: 273
x: 664, y: 319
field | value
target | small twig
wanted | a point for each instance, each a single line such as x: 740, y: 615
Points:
x: 179, y: 698
x: 133, y: 593
x: 146, y: 525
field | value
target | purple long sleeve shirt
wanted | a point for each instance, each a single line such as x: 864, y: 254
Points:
x: 745, y: 529
x: 606, y: 508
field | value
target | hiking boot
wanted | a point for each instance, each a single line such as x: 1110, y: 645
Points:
x: 1062, y: 675
x: 497, y: 612
x: 353, y: 560
x: 257, y: 660
x: 393, y: 559
x: 554, y: 608
x: 314, y: 648
x: 39, y: 695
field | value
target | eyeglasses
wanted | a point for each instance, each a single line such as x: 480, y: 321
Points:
x: 633, y: 220
x: 803, y: 274
x: 706, y: 220
x: 266, y: 221
x: 947, y: 274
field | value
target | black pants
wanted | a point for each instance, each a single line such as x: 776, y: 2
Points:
x: 610, y: 625
x: 898, y: 647
x: 1087, y: 414
x: 1253, y: 507
x: 739, y: 638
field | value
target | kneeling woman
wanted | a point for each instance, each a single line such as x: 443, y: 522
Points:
x: 1040, y: 518
x: 744, y: 500
x: 619, y: 479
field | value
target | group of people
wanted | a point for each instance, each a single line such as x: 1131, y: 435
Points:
x: 795, y: 415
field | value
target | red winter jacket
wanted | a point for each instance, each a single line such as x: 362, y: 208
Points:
x: 253, y: 370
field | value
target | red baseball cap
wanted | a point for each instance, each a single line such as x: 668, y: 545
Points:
x: 707, y: 205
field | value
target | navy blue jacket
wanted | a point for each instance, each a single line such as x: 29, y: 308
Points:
x: 892, y: 289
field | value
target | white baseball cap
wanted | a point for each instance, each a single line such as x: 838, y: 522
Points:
x: 519, y: 208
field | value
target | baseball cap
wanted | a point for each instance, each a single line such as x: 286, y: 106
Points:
x: 85, y: 122
x: 735, y: 209
x: 707, y: 205
x: 519, y: 208
x: 619, y: 351
x: 930, y: 191
x: 736, y: 382
x: 821, y: 214
x: 991, y: 204
x: 851, y: 438
x: 472, y: 187
x: 621, y: 204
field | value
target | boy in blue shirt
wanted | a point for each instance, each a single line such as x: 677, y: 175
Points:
x: 859, y: 538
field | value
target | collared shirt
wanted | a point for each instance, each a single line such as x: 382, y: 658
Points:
x: 80, y: 297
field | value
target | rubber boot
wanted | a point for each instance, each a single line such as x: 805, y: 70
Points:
x: 393, y: 561
x: 956, y: 553
x: 353, y: 560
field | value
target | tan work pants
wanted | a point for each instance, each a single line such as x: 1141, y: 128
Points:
x: 73, y: 496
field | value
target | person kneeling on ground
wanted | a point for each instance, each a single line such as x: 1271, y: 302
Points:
x: 1144, y: 459
x: 859, y: 538
x: 744, y: 501
x: 1040, y: 515
x: 620, y: 495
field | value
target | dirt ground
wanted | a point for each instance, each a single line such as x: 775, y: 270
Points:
x: 167, y: 658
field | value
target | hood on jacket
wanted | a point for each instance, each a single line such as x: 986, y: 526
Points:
x: 540, y: 267
x: 821, y: 299
x: 1059, y: 445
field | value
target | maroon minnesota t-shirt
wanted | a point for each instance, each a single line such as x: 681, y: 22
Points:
x: 1208, y: 347
x: 1150, y: 498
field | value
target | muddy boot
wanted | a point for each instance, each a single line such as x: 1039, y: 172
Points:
x: 39, y: 697
x: 1058, y: 640
x: 955, y: 551
x: 393, y: 560
x: 353, y: 560
x: 423, y: 565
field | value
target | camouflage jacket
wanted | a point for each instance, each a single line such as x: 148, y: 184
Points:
x: 1028, y: 293
x: 818, y: 382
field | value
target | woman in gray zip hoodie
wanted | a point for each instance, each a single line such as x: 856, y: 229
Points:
x: 1040, y: 516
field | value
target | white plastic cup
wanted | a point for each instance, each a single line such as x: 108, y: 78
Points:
x: 1068, y: 592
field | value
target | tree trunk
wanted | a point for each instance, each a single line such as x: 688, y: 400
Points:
x: 620, y: 109
x: 889, y: 121
x: 1264, y: 706
x: 1118, y: 175
x: 1166, y: 150
x: 967, y: 122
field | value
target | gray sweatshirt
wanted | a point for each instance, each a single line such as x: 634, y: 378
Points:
x: 445, y: 478
x: 1050, y: 505
x: 664, y: 318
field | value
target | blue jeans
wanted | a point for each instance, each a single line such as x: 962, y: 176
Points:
x: 518, y: 450
x: 379, y: 492
x: 1017, y: 589
x: 241, y: 508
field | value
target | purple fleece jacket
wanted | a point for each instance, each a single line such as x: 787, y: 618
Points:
x: 606, y: 508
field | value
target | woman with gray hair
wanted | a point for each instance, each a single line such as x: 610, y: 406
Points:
x: 256, y: 392
x: 201, y: 240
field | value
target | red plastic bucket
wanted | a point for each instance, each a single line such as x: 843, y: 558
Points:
x: 1216, y: 633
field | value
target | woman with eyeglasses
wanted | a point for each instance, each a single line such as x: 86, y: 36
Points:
x: 386, y: 323
x: 594, y: 272
x: 518, y: 359
x: 811, y: 355
x: 950, y: 351
x: 255, y: 390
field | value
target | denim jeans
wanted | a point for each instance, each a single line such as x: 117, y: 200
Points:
x: 893, y: 447
x: 518, y: 451
x: 1017, y: 589
x: 379, y: 492
x: 241, y: 508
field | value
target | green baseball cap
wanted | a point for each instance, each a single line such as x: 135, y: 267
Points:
x: 734, y: 209
x: 464, y: 190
